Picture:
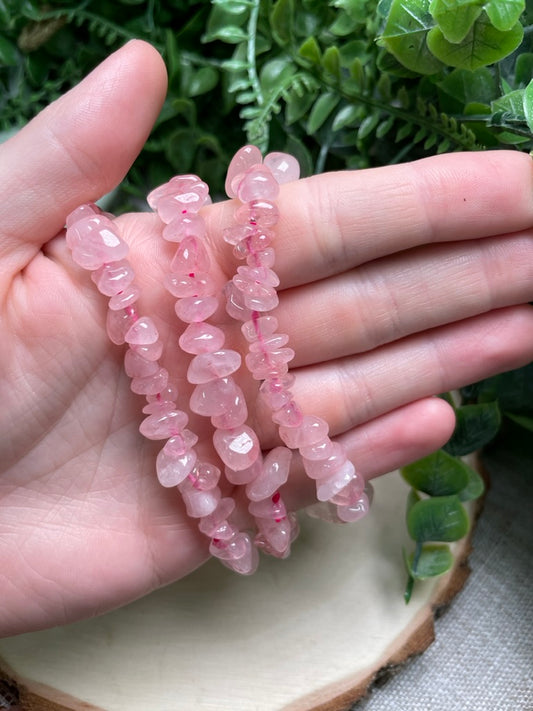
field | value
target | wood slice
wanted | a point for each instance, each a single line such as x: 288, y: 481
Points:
x: 310, y: 633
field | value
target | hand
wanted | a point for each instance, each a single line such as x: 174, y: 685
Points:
x: 397, y: 283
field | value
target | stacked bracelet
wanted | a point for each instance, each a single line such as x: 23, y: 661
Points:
x: 250, y: 298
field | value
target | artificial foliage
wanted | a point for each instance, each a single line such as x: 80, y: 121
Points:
x: 340, y: 84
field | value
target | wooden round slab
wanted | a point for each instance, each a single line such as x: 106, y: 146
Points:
x: 308, y: 633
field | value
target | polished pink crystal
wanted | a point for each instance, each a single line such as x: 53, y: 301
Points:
x: 272, y: 508
x: 269, y: 364
x: 284, y: 167
x: 275, y: 472
x: 173, y: 469
x: 231, y: 549
x: 355, y: 511
x: 257, y: 183
x: 216, y: 520
x: 327, y: 488
x: 184, y: 225
x: 214, y: 397
x: 276, y: 392
x: 265, y: 258
x: 245, y: 158
x: 165, y: 425
x: 235, y: 305
x: 170, y: 392
x: 159, y: 407
x: 234, y: 415
x: 197, y: 502
x: 94, y: 241
x: 201, y: 338
x: 289, y: 415
x: 246, y: 475
x: 238, y: 448
x: 150, y: 384
x: 257, y: 212
x: 312, y: 429
x: 196, y: 308
x: 204, y: 476
x: 182, y: 193
x: 324, y: 468
x: 81, y: 212
x: 187, y: 285
x: 135, y: 365
x: 143, y: 332
x: 191, y: 257
x: 351, y: 493
x: 237, y: 233
x: 319, y: 450
x: 276, y: 536
x: 259, y: 328
x: 270, y: 343
x: 209, y: 366
x: 150, y: 351
x: 248, y: 562
x: 125, y: 298
x: 112, y: 279
x: 180, y: 443
x: 118, y: 323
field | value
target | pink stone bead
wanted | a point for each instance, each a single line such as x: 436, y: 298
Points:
x: 125, y: 298
x: 285, y: 168
x: 214, y: 397
x: 355, y: 511
x: 324, y: 511
x: 235, y: 305
x: 113, y: 278
x: 324, y: 468
x: 271, y: 508
x: 237, y: 233
x: 151, y: 351
x: 159, y: 407
x: 275, y: 472
x: 269, y: 365
x: 118, y: 323
x: 200, y: 503
x: 261, y: 327
x: 164, y: 426
x: 191, y: 257
x: 201, y: 338
x: 196, y: 308
x: 327, y: 488
x: 143, y: 332
x: 204, y: 476
x: 264, y: 257
x: 169, y: 392
x: 256, y: 184
x: 81, y: 212
x: 210, y: 524
x: 235, y: 415
x: 233, y: 549
x: 247, y: 564
x: 245, y: 158
x: 320, y: 450
x: 351, y: 493
x: 137, y: 366
x: 172, y: 470
x: 312, y: 429
x: 245, y: 476
x: 256, y: 275
x: 209, y: 366
x: 150, y: 384
x: 179, y: 444
x: 257, y: 212
x: 276, y: 392
x: 238, y: 448
x: 289, y: 416
x: 270, y: 343
x: 277, y: 536
x: 182, y: 193
x: 263, y: 299
x: 183, y: 226
x: 94, y: 241
x: 184, y: 285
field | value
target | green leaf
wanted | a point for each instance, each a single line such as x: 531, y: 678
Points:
x: 310, y: 50
x: 504, y: 13
x: 512, y: 103
x: 483, y: 45
x: 298, y: 105
x: 468, y: 87
x: 455, y: 17
x: 203, y: 80
x: 368, y: 124
x: 384, y: 127
x: 346, y: 116
x: 522, y: 420
x: 405, y: 34
x: 438, y: 519
x: 433, y: 560
x: 528, y: 104
x: 322, y: 108
x: 281, y: 21
x: 331, y: 61
x: 438, y: 474
x: 475, y: 426
x: 523, y: 68
x: 9, y: 55
x: 474, y: 487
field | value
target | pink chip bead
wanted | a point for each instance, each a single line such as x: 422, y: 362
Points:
x: 237, y: 233
x: 113, y: 278
x: 257, y: 212
x: 201, y: 338
x: 247, y: 564
x: 171, y: 469
x: 204, y: 476
x: 81, y: 212
x: 351, y: 493
x: 191, y: 256
x: 182, y: 193
x: 196, y: 308
x: 245, y: 158
x: 270, y: 343
x: 150, y: 384
x: 143, y: 332
x: 118, y: 324
x: 200, y: 503
x: 275, y: 472
x: 125, y: 298
x: 137, y: 366
x: 210, y: 366
x: 257, y: 183
x: 214, y: 397
x: 285, y: 168
x: 272, y: 508
x: 94, y: 241
x: 327, y: 488
x: 276, y: 393
x: 163, y: 426
x: 234, y: 415
x: 159, y: 407
x: 217, y: 518
x: 238, y: 448
x: 245, y: 476
x: 233, y: 549
x: 324, y: 468
x: 311, y: 430
x: 277, y: 536
x: 289, y: 415
x: 150, y: 351
x: 355, y: 511
x: 235, y: 305
x: 186, y: 285
x: 183, y: 226
x: 261, y: 327
x: 179, y: 444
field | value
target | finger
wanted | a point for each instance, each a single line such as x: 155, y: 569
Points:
x: 350, y: 391
x: 417, y: 290
x: 336, y: 221
x: 78, y: 148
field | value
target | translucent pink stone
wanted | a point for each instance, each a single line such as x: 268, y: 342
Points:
x: 320, y: 450
x: 151, y: 351
x: 327, y: 488
x: 118, y: 323
x: 276, y: 392
x: 164, y: 426
x: 323, y: 468
x: 170, y: 392
x: 204, y: 476
x: 285, y: 168
x: 245, y: 158
x: 200, y: 503
x: 257, y: 183
x: 351, y: 493
x: 257, y: 212
x: 209, y: 366
x: 137, y: 366
x: 238, y: 448
x: 289, y: 416
x: 233, y: 549
x: 244, y: 476
x: 125, y: 298
x: 94, y: 241
x: 247, y: 564
x: 311, y: 430
x: 264, y: 299
x: 355, y: 511
x: 269, y: 364
x: 179, y: 444
x: 113, y: 278
x: 214, y: 397
x: 323, y: 510
x: 171, y: 469
x: 143, y: 332
x: 150, y: 384
x: 275, y: 472
x: 196, y: 308
x: 277, y: 536
x: 210, y: 523
x: 159, y: 407
x: 182, y: 193
x: 261, y: 327
x: 183, y: 226
x: 201, y: 338
x: 237, y: 233
x: 235, y: 305
x: 265, y: 257
x: 235, y: 415
x: 81, y: 212
x: 272, y: 508
x: 270, y: 343
x: 191, y: 256
x: 185, y: 285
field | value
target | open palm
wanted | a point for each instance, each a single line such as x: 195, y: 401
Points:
x: 395, y: 285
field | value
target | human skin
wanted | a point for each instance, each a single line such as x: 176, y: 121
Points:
x: 397, y: 283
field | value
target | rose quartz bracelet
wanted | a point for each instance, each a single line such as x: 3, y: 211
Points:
x: 250, y: 296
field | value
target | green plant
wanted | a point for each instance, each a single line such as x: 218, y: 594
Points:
x: 338, y: 83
